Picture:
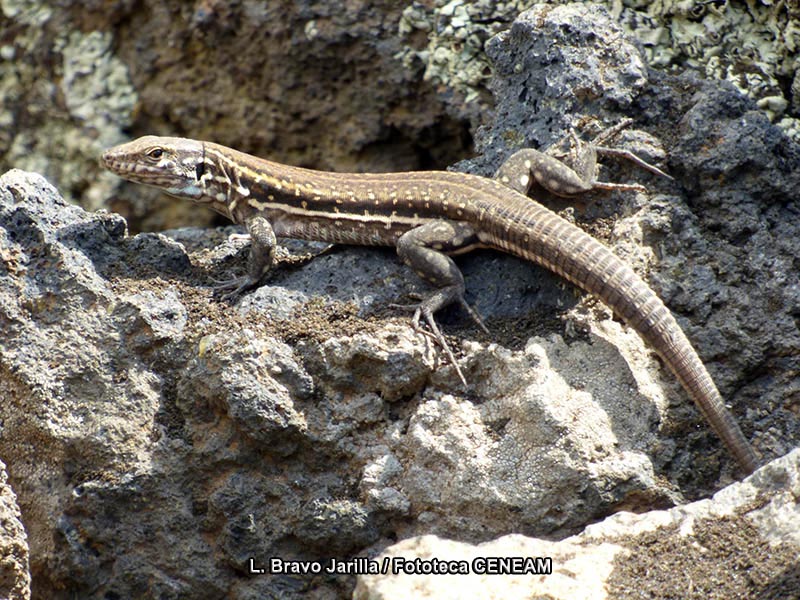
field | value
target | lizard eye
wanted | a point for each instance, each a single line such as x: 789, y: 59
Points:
x: 199, y: 170
x: 155, y: 153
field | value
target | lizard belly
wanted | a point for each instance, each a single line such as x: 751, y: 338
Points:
x: 347, y: 230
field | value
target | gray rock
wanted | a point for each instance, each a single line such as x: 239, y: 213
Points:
x: 15, y: 577
x: 163, y: 442
x: 748, y: 532
x: 716, y: 245
x: 547, y: 72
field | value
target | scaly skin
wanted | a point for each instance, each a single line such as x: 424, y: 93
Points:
x: 427, y: 216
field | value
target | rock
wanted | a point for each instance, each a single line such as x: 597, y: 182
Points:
x: 164, y: 443
x: 741, y: 543
x: 79, y: 77
x: 15, y: 578
x: 388, y: 86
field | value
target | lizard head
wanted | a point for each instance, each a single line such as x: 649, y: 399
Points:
x: 174, y: 165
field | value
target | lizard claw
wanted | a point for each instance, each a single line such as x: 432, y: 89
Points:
x: 436, y: 335
x: 424, y: 311
x: 473, y: 313
x: 463, y: 303
x: 409, y: 307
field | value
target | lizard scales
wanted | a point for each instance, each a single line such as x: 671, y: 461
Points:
x: 377, y: 209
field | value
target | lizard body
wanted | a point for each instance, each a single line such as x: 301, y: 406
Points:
x: 428, y: 217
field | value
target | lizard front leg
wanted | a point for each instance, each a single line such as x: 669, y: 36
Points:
x: 260, y: 260
x: 424, y: 249
x: 525, y: 166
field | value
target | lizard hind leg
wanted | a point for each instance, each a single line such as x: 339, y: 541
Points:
x: 425, y: 249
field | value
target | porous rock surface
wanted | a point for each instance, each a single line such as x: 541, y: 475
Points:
x: 163, y: 443
x: 741, y: 543
x: 15, y: 577
x: 364, y: 85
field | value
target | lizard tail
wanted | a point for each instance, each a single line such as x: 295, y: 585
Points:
x: 541, y: 236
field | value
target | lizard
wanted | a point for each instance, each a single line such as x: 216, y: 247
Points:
x: 429, y: 217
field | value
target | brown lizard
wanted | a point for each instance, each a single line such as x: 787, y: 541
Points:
x: 429, y: 217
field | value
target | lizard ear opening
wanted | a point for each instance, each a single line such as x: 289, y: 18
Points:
x: 199, y: 170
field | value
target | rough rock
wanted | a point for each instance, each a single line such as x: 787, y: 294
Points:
x: 715, y: 246
x: 162, y: 442
x: 78, y: 77
x: 15, y: 578
x: 386, y: 86
x: 741, y: 543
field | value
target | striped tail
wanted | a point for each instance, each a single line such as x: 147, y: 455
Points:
x: 541, y: 236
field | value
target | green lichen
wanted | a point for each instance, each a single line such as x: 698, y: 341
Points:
x: 96, y: 86
x: 751, y: 44
x: 456, y: 31
x: 28, y: 12
x: 72, y: 108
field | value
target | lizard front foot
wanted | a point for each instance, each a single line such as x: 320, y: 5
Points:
x: 233, y: 287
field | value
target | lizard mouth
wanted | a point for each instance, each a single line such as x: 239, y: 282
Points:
x: 107, y: 160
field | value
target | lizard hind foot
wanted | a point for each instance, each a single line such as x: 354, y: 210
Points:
x: 423, y: 312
